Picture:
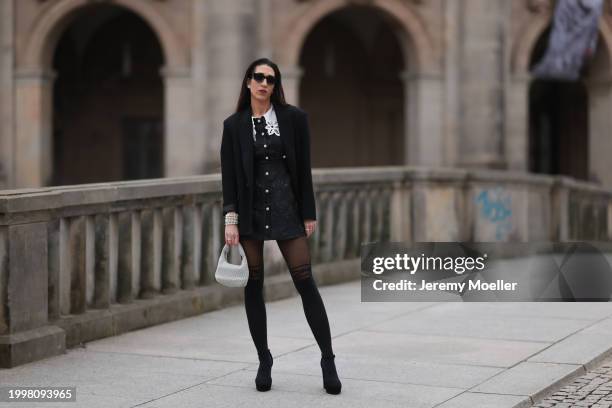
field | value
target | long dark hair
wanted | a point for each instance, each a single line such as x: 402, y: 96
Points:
x: 278, y: 95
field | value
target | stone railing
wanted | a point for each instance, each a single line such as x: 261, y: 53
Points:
x: 79, y: 263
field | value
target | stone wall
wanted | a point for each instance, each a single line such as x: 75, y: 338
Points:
x: 6, y: 93
x: 78, y: 263
x: 465, y: 79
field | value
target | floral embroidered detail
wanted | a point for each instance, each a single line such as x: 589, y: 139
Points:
x: 272, y: 128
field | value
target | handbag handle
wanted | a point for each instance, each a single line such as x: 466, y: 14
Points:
x: 226, y: 250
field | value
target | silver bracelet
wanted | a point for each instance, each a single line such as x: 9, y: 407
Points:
x: 231, y: 218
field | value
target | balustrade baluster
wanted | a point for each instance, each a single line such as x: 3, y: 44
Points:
x: 342, y: 226
x: 367, y: 217
x: 172, y: 249
x: 129, y: 256
x: 102, y: 286
x: 191, y: 243
x: 152, y: 229
x: 77, y: 261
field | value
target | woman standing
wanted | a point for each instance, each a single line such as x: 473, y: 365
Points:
x: 268, y: 195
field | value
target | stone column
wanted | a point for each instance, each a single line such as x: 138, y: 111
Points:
x: 482, y: 65
x: 516, y: 138
x: 6, y: 93
x: 452, y: 21
x: 231, y: 45
x: 264, y: 29
x: 292, y: 76
x: 199, y: 84
x: 183, y: 153
x: 424, y: 138
x: 33, y: 143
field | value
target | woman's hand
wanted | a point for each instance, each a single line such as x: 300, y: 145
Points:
x: 309, y: 225
x: 231, y: 234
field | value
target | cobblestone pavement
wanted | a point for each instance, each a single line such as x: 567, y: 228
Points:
x: 593, y: 389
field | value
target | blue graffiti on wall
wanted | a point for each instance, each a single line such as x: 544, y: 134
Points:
x: 495, y: 206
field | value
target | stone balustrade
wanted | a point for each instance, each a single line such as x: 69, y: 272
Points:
x: 78, y: 263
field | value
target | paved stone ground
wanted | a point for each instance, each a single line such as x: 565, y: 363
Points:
x: 388, y: 354
x: 591, y: 390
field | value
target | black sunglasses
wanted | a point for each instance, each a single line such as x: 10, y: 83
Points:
x: 259, y: 77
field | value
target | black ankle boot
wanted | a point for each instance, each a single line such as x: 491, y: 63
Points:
x: 263, y: 381
x: 331, y: 382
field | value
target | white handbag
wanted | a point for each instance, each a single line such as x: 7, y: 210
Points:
x: 229, y: 274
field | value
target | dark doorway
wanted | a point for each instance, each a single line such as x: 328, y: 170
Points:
x: 107, y: 99
x: 142, y: 138
x: 558, y: 123
x: 559, y: 128
x: 352, y: 90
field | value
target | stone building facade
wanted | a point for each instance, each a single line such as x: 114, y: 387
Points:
x: 103, y: 90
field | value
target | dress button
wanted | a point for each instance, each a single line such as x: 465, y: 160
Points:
x: 265, y: 145
x: 267, y: 208
x: 267, y: 226
x: 267, y: 191
x: 266, y: 157
x: 267, y: 173
x: 284, y: 156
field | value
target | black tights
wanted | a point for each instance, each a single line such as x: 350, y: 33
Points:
x: 297, y: 256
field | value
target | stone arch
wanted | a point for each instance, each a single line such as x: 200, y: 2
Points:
x: 422, y: 79
x: 45, y: 35
x: 524, y: 45
x: 415, y: 40
x: 516, y: 139
x: 35, y: 80
x: 598, y: 88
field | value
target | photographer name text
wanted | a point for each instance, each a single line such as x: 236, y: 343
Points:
x: 477, y: 285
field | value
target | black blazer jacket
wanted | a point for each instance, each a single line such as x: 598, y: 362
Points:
x: 237, y: 162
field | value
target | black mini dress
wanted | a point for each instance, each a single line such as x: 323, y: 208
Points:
x: 275, y: 210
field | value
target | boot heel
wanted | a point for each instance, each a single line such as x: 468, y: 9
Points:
x: 263, y: 381
x: 331, y: 382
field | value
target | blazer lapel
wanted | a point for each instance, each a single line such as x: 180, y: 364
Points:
x: 285, y: 126
x: 246, y: 144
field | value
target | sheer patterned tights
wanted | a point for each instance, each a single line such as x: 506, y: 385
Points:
x: 297, y: 256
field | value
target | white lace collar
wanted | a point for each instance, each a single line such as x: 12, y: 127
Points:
x: 271, y: 122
